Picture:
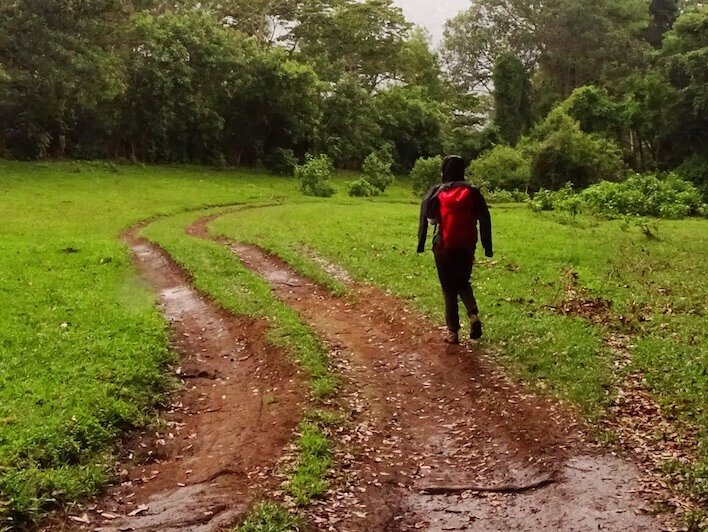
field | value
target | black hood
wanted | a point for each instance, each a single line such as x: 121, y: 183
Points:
x: 453, y: 169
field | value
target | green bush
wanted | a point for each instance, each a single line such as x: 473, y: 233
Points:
x: 377, y: 170
x: 660, y: 195
x: 551, y: 200
x: 315, y: 175
x: 560, y: 152
x: 695, y: 170
x: 502, y: 168
x: 426, y: 173
x: 506, y: 196
x: 282, y: 162
x: 362, y: 189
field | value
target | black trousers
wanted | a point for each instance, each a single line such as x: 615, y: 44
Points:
x: 455, y: 270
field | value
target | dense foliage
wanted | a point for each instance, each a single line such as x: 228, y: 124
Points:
x: 583, y: 91
x: 658, y: 195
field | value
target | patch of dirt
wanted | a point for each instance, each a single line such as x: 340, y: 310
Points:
x: 578, y: 303
x: 427, y: 415
x: 225, y: 430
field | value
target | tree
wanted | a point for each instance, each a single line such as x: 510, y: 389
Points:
x: 178, y: 70
x: 574, y: 42
x: 351, y: 37
x: 411, y: 123
x: 512, y: 98
x: 56, y: 57
x: 274, y: 103
x: 591, y: 41
x: 685, y: 56
x: 476, y: 38
x: 348, y: 129
x: 560, y: 152
x: 419, y: 66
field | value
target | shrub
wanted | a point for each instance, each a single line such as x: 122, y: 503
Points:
x: 560, y: 152
x: 426, y: 173
x: 282, y: 162
x: 502, y: 168
x: 506, y: 196
x: 695, y: 170
x: 551, y: 200
x: 315, y: 175
x: 660, y: 195
x: 362, y: 189
x: 377, y: 170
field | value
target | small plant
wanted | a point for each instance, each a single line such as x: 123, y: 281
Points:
x: 362, y: 189
x: 315, y: 175
x: 269, y: 517
x: 377, y: 170
x: 426, y: 173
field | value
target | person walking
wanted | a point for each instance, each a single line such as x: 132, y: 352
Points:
x: 455, y: 209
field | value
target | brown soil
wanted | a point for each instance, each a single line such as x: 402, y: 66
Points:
x: 225, y: 430
x: 428, y: 415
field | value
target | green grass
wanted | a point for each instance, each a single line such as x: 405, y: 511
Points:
x: 308, y: 480
x: 269, y: 517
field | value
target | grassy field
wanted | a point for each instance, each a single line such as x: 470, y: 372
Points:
x: 82, y: 348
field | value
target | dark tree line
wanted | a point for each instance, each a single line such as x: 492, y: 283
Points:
x: 269, y: 81
x: 239, y: 81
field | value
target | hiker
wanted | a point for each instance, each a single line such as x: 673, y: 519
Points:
x: 455, y: 207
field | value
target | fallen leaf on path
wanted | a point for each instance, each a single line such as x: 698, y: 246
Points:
x: 83, y: 519
x: 140, y: 509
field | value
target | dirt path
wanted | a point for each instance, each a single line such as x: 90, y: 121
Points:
x: 442, y: 418
x: 224, y: 432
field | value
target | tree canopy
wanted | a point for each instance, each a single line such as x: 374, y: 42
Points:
x: 273, y: 81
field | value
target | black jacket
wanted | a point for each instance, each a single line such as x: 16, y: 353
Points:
x: 485, y: 220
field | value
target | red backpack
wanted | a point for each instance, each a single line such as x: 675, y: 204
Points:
x: 455, y: 210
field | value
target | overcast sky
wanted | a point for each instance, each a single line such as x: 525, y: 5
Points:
x: 432, y: 14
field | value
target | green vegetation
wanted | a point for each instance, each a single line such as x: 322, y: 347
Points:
x: 662, y: 196
x: 314, y: 459
x: 269, y: 517
x: 315, y: 177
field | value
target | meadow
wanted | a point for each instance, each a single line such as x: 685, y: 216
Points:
x: 83, y: 350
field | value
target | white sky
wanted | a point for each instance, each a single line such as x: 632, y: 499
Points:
x: 432, y: 14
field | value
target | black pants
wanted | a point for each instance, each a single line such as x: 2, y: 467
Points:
x: 455, y: 270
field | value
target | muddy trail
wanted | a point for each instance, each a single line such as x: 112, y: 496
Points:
x: 226, y: 429
x: 439, y: 438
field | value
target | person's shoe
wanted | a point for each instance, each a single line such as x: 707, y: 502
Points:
x: 475, y: 327
x: 451, y: 337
